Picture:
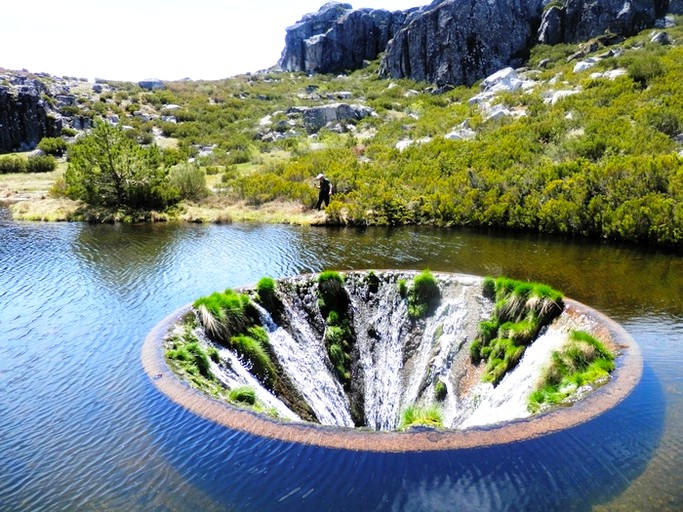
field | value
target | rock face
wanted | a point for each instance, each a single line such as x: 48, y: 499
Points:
x: 24, y: 118
x: 579, y: 20
x: 338, y: 38
x: 461, y: 41
x: 453, y: 42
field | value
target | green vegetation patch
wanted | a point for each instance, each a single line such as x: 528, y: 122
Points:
x: 266, y: 295
x: 429, y: 416
x: 423, y: 295
x: 186, y: 357
x: 582, y: 361
x: 231, y: 319
x: 339, y: 337
x: 521, y: 310
x: 243, y: 395
x: 440, y: 390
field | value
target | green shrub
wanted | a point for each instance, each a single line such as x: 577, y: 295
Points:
x: 402, y: 288
x: 243, y: 394
x: 189, y: 180
x: 331, y: 293
x: 373, y: 282
x: 213, y: 354
x: 12, y: 164
x: 226, y: 314
x: 55, y: 146
x: 68, y: 132
x: 423, y: 296
x: 339, y: 338
x: 253, y: 349
x: 430, y: 416
x: 440, y: 390
x: 108, y: 169
x: 192, y: 358
x: 583, y: 360
x: 521, y: 310
x: 41, y: 163
x: 644, y: 68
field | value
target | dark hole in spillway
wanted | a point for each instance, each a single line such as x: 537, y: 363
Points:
x: 384, y: 360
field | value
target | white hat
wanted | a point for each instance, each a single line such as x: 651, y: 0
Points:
x: 321, y: 175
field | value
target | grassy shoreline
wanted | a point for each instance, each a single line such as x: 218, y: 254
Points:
x: 28, y: 198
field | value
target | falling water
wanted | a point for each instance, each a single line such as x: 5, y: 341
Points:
x: 399, y: 360
x: 303, y: 355
x: 508, y: 400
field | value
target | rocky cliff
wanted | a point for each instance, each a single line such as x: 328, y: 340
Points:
x: 338, y: 38
x: 456, y: 41
x: 24, y: 117
x: 461, y: 41
x: 580, y: 20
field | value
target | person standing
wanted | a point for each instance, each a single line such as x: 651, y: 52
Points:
x: 325, y: 191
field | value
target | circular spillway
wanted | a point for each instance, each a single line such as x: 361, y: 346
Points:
x: 396, y: 357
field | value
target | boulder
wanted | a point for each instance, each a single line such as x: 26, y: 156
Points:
x: 151, y: 84
x: 338, y: 38
x: 504, y: 80
x: 661, y: 38
x: 580, y: 20
x: 315, y: 118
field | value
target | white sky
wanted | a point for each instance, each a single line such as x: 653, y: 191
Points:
x: 166, y: 39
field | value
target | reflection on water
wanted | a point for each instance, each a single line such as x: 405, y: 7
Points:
x: 570, y: 470
x: 81, y: 427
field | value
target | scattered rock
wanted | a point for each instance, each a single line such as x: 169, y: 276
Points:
x: 661, y: 38
x: 584, y: 65
x: 553, y: 97
x: 462, y: 132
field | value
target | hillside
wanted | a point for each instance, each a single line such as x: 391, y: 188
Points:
x: 587, y: 139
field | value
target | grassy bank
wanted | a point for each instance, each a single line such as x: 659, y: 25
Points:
x: 29, y: 198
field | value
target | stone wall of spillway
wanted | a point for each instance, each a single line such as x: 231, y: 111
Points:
x: 394, y: 363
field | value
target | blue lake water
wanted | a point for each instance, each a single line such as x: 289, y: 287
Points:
x: 83, y: 428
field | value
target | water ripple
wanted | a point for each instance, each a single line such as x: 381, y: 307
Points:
x: 82, y: 428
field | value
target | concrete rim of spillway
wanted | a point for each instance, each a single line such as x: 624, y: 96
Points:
x: 624, y: 379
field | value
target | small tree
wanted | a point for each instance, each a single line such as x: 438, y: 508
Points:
x: 190, y: 181
x: 106, y: 168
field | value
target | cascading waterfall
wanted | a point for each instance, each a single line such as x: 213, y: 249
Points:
x: 507, y: 401
x: 397, y: 360
x: 302, y: 354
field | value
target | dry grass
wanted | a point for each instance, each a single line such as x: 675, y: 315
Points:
x: 219, y: 210
x: 48, y: 209
x: 28, y: 195
x: 27, y: 186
